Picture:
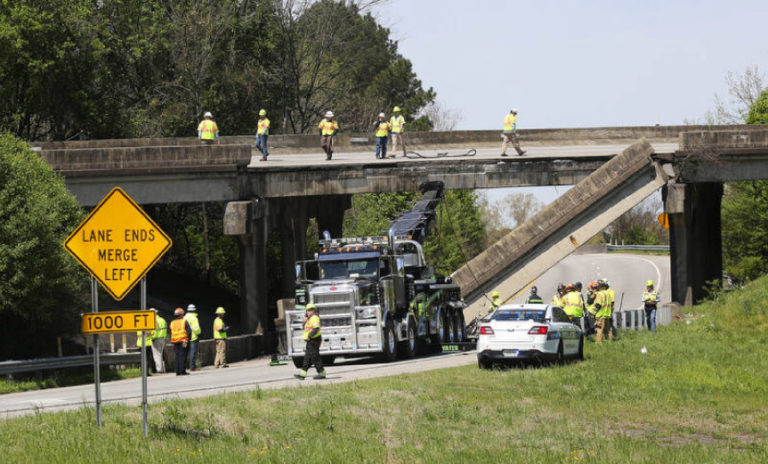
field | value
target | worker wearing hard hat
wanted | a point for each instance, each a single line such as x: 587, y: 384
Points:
x: 557, y: 299
x: 603, y: 313
x: 220, y: 336
x: 207, y: 130
x: 651, y: 300
x: 397, y: 126
x: 180, y: 334
x: 328, y: 128
x: 262, y: 133
x: 534, y: 297
x: 573, y: 304
x: 159, y: 340
x: 145, y: 346
x: 382, y: 132
x: 313, y: 338
x: 510, y: 133
x: 194, y: 340
x: 495, y: 300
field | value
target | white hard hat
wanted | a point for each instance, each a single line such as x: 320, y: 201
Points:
x: 207, y: 114
x: 513, y: 110
x: 382, y: 115
x: 191, y: 308
x: 329, y: 114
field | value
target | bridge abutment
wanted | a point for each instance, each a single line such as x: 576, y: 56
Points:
x: 695, y: 240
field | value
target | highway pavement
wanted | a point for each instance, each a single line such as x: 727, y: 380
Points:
x: 278, y: 160
x: 627, y: 274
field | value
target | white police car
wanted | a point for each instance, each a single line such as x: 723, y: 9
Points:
x: 528, y: 332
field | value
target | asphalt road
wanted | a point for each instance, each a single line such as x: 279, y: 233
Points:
x: 555, y: 151
x: 627, y: 274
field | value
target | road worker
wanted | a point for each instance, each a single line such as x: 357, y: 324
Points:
x: 573, y: 304
x: 382, y: 132
x: 194, y: 340
x: 207, y: 130
x: 602, y: 313
x: 328, y: 128
x: 397, y: 126
x: 589, y: 317
x: 159, y: 340
x: 557, y: 300
x: 651, y: 300
x: 534, y: 297
x: 610, y: 300
x: 314, y: 338
x: 510, y: 133
x: 146, y: 349
x: 495, y: 300
x: 262, y: 133
x: 180, y: 334
x: 220, y: 336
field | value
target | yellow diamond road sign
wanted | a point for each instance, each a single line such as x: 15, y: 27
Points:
x: 118, y: 243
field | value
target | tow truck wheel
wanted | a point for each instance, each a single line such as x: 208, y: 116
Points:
x: 408, y: 350
x: 461, y: 328
x: 450, y: 327
x: 389, y: 343
x: 298, y: 361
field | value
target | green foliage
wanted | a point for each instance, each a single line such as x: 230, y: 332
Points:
x: 371, y: 213
x: 41, y: 286
x: 758, y: 112
x: 745, y: 229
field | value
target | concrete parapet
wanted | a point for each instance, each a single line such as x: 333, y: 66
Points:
x: 754, y: 137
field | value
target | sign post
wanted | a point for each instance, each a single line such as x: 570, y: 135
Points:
x: 118, y: 243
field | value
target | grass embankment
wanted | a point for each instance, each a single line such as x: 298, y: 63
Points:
x: 699, y: 395
x: 25, y: 382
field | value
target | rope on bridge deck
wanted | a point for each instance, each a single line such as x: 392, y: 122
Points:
x: 444, y: 154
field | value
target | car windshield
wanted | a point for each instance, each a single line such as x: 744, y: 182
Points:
x: 366, y: 268
x: 519, y: 315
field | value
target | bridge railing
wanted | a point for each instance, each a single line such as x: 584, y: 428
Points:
x: 634, y: 319
x: 45, y: 364
x: 736, y: 138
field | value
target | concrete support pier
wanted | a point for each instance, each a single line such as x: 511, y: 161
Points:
x: 694, y: 238
x: 330, y: 213
x: 292, y: 219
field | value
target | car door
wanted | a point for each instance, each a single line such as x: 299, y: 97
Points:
x: 566, y: 330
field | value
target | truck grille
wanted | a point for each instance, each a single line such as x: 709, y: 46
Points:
x: 333, y: 303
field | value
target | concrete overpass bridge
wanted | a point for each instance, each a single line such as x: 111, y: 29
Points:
x: 688, y: 162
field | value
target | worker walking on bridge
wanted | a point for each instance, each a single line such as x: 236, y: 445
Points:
x: 382, y: 132
x: 510, y: 133
x: 262, y: 133
x: 651, y: 299
x: 180, y: 333
x: 314, y: 338
x: 220, y: 336
x: 194, y: 340
x: 207, y: 130
x: 534, y: 297
x: 397, y: 126
x: 328, y: 128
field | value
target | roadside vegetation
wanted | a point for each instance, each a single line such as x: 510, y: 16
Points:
x: 698, y: 395
x: 26, y: 382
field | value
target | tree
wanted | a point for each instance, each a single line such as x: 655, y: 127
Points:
x: 640, y: 225
x: 41, y: 287
x: 506, y: 214
x: 744, y: 90
x: 758, y: 112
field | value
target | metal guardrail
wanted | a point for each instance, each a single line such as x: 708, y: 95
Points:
x: 43, y: 364
x: 638, y: 247
x: 634, y: 319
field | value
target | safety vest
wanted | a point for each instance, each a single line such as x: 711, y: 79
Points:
x: 651, y: 298
x: 591, y: 306
x: 557, y: 300
x: 382, y: 129
x: 328, y: 127
x: 194, y: 324
x: 161, y: 328
x: 263, y: 127
x: 148, y: 339
x: 495, y: 303
x: 312, y: 323
x: 601, y: 297
x: 573, y: 304
x: 218, y: 324
x: 510, y: 123
x: 610, y: 298
x: 207, y: 129
x: 397, y: 123
x: 533, y: 299
x: 178, y: 331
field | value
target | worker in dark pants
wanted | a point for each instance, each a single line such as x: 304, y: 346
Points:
x: 314, y: 338
x: 180, y: 333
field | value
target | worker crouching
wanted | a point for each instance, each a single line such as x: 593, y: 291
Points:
x: 313, y: 336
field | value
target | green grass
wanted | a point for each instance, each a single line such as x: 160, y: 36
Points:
x: 25, y: 382
x: 700, y: 395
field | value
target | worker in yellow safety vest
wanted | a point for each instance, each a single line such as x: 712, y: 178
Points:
x: 603, y: 313
x: 180, y: 333
x: 495, y: 300
x: 510, y: 133
x: 146, y: 349
x: 573, y: 304
x: 589, y: 317
x: 313, y: 338
x: 220, y: 336
x: 397, y: 124
x: 328, y: 128
x: 207, y: 130
x: 382, y: 132
x: 557, y: 299
x: 194, y: 340
x: 651, y: 300
x: 262, y: 134
x: 159, y: 340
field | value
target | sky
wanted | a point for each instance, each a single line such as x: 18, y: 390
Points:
x: 578, y: 63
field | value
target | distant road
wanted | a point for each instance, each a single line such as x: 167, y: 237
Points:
x: 627, y: 274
